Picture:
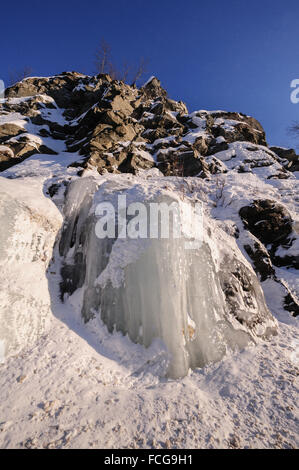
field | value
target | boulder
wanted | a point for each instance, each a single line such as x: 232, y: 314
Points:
x: 289, y: 155
x: 21, y: 149
x: 134, y: 162
x: 6, y: 153
x: 268, y: 220
x: 153, y: 89
x: 8, y: 130
x: 261, y: 260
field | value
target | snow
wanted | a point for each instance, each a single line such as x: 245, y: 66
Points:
x: 69, y: 384
x: 71, y: 393
x: 44, y: 165
x: 293, y: 250
x: 42, y: 98
x: 164, y: 140
x: 145, y: 155
x: 80, y: 87
x: 13, y: 118
x: 30, y: 224
x: 186, y: 282
x: 54, y: 115
x: 77, y: 386
x: 227, y: 124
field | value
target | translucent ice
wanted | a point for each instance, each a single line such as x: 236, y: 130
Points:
x: 156, y: 288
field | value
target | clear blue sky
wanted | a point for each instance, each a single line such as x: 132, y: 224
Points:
x: 238, y: 55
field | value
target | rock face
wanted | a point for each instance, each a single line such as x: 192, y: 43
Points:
x: 119, y: 129
x: 292, y: 159
x: 268, y: 221
x: 128, y: 137
x: 271, y: 223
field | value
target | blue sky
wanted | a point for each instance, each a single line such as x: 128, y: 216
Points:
x: 233, y: 55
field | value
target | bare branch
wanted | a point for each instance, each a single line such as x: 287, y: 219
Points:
x: 113, y: 72
x: 125, y: 71
x: 141, y: 70
x: 104, y: 64
x: 19, y: 75
x: 293, y: 129
x: 102, y: 57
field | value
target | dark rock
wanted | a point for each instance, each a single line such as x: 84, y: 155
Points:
x: 152, y: 89
x: 241, y: 289
x: 216, y: 166
x: 261, y: 260
x: 181, y: 163
x: 135, y: 162
x: 286, y: 261
x: 269, y: 221
x: 245, y: 128
x: 291, y: 304
x: 201, y: 144
x: 158, y: 107
x: 72, y: 277
x: 59, y: 87
x: 6, y: 153
x: 215, y: 146
x: 20, y: 150
x: 289, y: 155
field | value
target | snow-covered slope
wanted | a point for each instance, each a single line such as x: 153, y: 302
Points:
x: 29, y: 226
x: 72, y: 391
x: 68, y: 375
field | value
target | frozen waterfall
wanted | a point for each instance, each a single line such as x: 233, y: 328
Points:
x: 156, y: 288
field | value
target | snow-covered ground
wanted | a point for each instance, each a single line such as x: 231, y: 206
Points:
x: 78, y: 386
x: 68, y: 391
x: 66, y: 384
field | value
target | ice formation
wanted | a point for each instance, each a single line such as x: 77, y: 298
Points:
x: 29, y: 225
x: 156, y: 288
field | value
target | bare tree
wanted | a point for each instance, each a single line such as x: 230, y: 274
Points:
x: 103, y: 57
x: 19, y: 75
x: 293, y: 132
x: 112, y: 71
x: 141, y: 70
x: 104, y: 64
x: 125, y: 71
x: 293, y: 129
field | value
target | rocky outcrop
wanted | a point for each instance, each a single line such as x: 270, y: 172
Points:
x: 106, y: 125
x: 119, y: 128
x: 17, y: 150
x: 268, y: 221
x: 9, y: 130
x: 289, y: 155
x: 261, y: 259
